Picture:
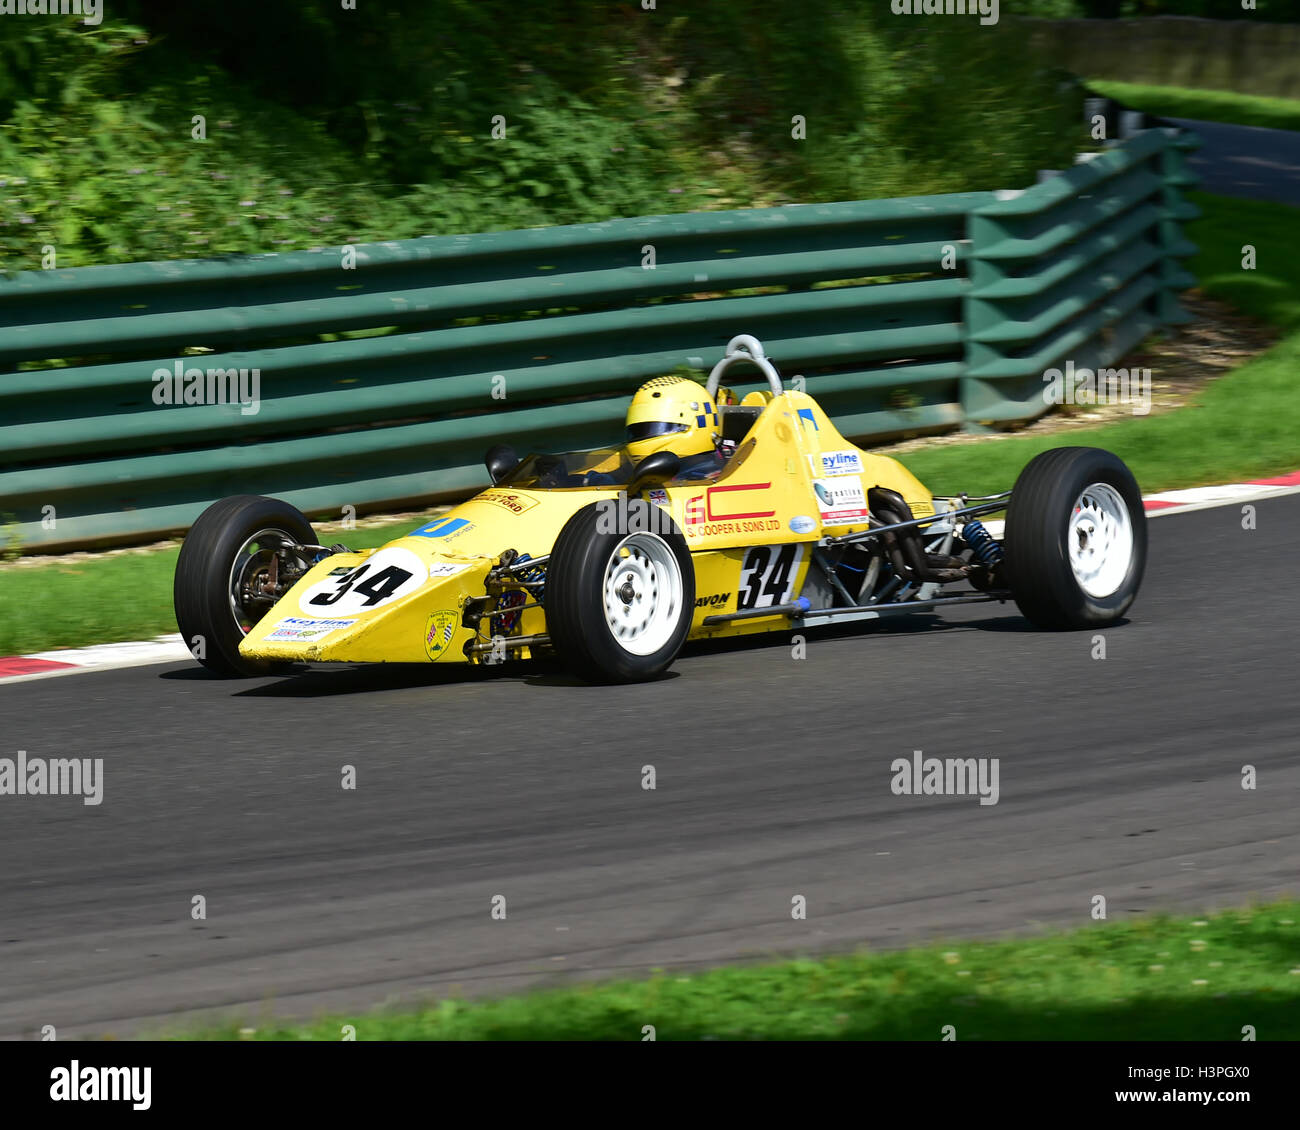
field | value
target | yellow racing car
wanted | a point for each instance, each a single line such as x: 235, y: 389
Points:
x: 714, y: 518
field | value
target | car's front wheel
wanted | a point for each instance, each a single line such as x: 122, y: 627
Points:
x: 619, y: 595
x: 233, y: 565
x: 1076, y: 538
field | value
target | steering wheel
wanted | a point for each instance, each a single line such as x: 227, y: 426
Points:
x: 551, y: 472
x: 743, y: 347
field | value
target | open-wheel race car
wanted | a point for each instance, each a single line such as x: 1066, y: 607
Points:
x: 715, y: 518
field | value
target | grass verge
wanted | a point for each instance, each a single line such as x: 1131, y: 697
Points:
x: 1244, y: 425
x: 1204, y: 105
x: 1158, y: 978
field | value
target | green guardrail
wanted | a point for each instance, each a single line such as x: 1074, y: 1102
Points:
x: 385, y: 370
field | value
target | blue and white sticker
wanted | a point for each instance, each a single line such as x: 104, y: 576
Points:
x: 442, y: 528
x: 841, y: 501
x: 802, y: 524
x: 658, y: 497
x: 301, y: 630
x: 836, y: 463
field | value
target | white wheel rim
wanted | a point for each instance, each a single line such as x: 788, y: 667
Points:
x: 1100, y: 540
x: 643, y: 593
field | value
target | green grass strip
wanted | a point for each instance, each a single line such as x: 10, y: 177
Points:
x: 1204, y: 105
x: 1157, y: 978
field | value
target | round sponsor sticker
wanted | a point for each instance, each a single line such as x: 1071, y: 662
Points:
x: 383, y: 577
x: 802, y: 524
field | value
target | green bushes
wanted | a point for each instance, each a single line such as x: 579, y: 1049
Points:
x: 328, y: 127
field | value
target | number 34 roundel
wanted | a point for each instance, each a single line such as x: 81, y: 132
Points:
x: 387, y: 575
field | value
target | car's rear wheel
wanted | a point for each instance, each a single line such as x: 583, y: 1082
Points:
x: 231, y: 564
x: 1076, y: 538
x: 619, y: 603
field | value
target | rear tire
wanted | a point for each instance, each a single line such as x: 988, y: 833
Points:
x: 207, y: 569
x: 619, y: 605
x: 1076, y: 538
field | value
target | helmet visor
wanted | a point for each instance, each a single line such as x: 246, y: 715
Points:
x: 649, y: 428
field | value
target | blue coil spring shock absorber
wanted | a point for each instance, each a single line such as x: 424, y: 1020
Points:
x: 987, y: 551
x: 536, y: 577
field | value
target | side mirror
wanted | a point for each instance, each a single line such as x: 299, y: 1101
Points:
x: 500, y: 461
x: 654, y: 470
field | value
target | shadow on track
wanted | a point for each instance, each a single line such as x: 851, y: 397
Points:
x: 306, y: 681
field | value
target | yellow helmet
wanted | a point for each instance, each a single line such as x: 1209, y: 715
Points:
x: 671, y: 414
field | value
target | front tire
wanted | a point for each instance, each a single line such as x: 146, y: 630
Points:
x: 218, y: 566
x: 619, y: 604
x: 1076, y: 538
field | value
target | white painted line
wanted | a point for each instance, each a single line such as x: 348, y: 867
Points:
x: 1256, y: 494
x: 107, y: 657
x: 162, y: 649
x: 1228, y: 491
x: 1186, y: 501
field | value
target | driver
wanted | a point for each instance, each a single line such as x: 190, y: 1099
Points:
x: 676, y: 414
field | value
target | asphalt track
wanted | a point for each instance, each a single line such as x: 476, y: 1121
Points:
x: 1119, y: 777
x: 1246, y: 161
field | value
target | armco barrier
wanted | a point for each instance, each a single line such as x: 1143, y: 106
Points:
x: 383, y: 384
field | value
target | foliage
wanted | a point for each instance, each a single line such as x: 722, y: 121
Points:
x: 599, y: 110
